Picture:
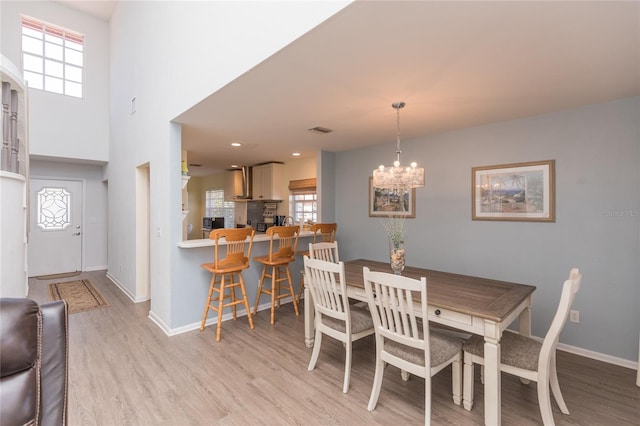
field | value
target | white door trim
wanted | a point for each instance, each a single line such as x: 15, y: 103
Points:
x: 82, y: 189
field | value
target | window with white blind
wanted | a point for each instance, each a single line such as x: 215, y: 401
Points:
x: 52, y: 57
x: 216, y: 206
x: 303, y: 200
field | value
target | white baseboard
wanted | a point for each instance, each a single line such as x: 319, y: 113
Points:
x: 125, y: 290
x: 121, y: 287
x: 242, y: 313
x: 157, y: 321
x: 96, y: 268
x: 598, y: 356
x: 609, y: 359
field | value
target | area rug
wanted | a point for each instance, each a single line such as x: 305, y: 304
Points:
x: 80, y: 295
x: 56, y: 276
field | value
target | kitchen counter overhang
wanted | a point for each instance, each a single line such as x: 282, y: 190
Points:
x: 206, y: 242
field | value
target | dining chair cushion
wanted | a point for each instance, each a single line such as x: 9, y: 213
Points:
x: 516, y: 350
x: 360, y: 321
x: 442, y: 348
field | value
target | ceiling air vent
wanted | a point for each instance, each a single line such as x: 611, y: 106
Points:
x: 320, y: 129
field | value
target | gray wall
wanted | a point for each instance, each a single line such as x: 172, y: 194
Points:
x: 596, y: 149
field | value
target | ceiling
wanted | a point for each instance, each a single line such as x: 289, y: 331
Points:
x: 102, y: 9
x: 455, y: 64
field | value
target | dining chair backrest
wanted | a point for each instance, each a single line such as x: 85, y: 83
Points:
x: 324, y: 251
x: 326, y: 281
x: 335, y: 317
x: 569, y: 290
x: 393, y: 308
x: 284, y: 246
x: 324, y: 232
x: 236, y: 251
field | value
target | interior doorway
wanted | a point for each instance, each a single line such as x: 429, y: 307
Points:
x: 143, y: 224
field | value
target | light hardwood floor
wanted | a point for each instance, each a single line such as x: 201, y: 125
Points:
x: 125, y: 371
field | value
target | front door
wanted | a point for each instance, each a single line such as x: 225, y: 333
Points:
x: 55, y: 233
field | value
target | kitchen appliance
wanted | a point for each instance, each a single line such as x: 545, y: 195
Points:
x: 262, y: 227
x: 279, y: 220
x: 247, y: 184
x: 212, y: 222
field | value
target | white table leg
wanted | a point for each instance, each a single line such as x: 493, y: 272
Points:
x: 309, y: 318
x: 492, y: 391
x: 524, y: 327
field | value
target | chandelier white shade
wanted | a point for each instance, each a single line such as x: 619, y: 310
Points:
x: 398, y: 177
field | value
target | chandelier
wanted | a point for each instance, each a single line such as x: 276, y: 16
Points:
x: 397, y: 178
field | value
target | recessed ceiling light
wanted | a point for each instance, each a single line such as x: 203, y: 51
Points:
x: 296, y: 154
x: 236, y: 144
x: 235, y: 166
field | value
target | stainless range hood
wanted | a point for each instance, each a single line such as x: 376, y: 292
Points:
x: 247, y: 183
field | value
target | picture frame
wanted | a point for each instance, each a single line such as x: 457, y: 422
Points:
x: 384, y: 204
x: 514, y: 192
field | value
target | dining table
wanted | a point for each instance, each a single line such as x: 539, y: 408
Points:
x: 470, y: 304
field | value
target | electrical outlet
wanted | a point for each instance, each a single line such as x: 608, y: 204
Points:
x: 574, y: 316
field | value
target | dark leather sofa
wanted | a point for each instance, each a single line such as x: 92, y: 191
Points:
x: 33, y: 362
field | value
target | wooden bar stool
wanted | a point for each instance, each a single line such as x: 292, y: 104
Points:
x: 322, y: 233
x: 278, y: 260
x: 224, y: 271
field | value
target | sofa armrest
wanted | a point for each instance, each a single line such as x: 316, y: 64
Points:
x: 55, y: 362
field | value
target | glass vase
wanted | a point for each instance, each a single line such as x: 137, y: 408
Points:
x: 396, y: 255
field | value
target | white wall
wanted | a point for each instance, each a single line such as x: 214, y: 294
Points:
x: 170, y: 55
x: 597, y: 153
x: 63, y: 126
x: 94, y: 213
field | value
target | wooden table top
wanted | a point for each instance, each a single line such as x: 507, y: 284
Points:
x: 481, y: 297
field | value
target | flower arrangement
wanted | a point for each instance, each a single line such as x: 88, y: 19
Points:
x: 396, y: 229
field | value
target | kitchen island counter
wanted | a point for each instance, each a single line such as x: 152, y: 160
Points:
x: 206, y: 242
x: 194, y: 280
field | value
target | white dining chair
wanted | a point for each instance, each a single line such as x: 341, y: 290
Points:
x: 526, y: 357
x: 405, y: 341
x: 322, y: 233
x: 333, y: 314
x: 327, y: 251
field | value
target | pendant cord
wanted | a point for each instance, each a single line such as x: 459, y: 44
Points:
x: 398, y: 131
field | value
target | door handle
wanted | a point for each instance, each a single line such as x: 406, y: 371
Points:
x: 76, y: 234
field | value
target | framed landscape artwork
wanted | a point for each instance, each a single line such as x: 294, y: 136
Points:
x: 515, y: 192
x: 385, y: 203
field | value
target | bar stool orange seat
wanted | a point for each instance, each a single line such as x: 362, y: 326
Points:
x: 282, y: 251
x: 227, y: 273
x: 322, y: 233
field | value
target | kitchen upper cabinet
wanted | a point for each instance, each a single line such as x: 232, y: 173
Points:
x: 232, y: 185
x: 265, y: 181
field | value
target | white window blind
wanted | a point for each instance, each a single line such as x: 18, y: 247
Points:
x: 303, y: 200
